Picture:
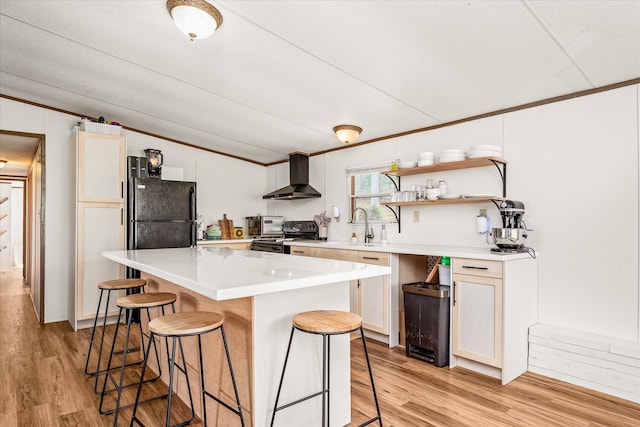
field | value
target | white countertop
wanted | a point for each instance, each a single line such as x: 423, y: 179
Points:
x: 223, y: 273
x: 413, y: 249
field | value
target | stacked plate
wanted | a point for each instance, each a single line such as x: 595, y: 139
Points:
x: 426, y: 158
x: 452, y: 155
x: 479, y: 151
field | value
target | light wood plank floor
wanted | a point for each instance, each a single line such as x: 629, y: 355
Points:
x: 42, y: 384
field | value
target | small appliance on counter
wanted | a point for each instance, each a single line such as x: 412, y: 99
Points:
x: 262, y: 226
x: 509, y: 238
x: 154, y: 162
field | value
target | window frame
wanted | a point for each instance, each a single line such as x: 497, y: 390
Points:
x: 351, y: 174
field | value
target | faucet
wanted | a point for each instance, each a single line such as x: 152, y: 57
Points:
x: 368, y: 233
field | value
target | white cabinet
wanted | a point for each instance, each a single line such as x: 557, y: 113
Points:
x: 100, y: 168
x: 370, y: 298
x: 102, y: 229
x: 494, y: 304
x: 100, y: 217
x: 477, y: 314
x: 373, y: 295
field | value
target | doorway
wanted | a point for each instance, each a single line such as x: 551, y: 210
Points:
x: 24, y: 163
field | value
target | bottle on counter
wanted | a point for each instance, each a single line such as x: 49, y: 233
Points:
x: 383, y: 235
x: 354, y: 238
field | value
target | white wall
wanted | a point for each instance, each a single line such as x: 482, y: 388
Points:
x: 225, y: 185
x: 575, y: 166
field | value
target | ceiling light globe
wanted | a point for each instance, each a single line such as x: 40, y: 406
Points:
x: 347, y: 133
x: 197, y: 19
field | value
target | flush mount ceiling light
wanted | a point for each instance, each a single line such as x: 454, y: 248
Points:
x: 2, y: 163
x: 347, y: 133
x: 198, y: 19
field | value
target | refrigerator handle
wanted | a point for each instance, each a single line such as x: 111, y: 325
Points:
x: 192, y: 208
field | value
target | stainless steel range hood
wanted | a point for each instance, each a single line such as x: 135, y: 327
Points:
x: 298, y: 187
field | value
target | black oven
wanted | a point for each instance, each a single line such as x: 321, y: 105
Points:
x: 293, y: 230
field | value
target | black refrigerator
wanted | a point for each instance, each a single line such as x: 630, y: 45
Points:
x: 161, y: 214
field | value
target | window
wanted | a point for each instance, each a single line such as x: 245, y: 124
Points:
x: 367, y: 189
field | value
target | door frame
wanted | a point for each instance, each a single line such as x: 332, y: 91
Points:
x: 28, y: 232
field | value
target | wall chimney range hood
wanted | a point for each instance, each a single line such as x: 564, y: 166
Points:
x: 298, y: 187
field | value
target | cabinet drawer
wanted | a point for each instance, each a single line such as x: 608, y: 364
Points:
x: 339, y: 254
x: 477, y: 267
x: 301, y: 250
x: 379, y: 258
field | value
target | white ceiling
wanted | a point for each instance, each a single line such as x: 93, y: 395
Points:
x: 279, y: 75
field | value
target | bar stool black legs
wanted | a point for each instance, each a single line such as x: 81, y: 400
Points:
x: 108, y: 286
x: 177, y: 326
x: 128, y: 304
x: 326, y: 323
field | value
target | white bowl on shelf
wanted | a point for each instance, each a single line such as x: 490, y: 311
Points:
x: 403, y: 164
x: 426, y: 155
x: 446, y: 158
x: 476, y: 154
x: 487, y: 147
x: 425, y: 162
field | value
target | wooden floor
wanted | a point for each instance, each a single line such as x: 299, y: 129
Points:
x: 42, y: 384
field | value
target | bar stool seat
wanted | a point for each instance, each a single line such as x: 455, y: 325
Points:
x: 128, y: 303
x: 148, y: 300
x: 177, y: 326
x: 108, y: 286
x: 326, y: 323
x: 186, y: 323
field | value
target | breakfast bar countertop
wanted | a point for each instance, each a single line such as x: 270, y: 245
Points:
x: 223, y: 273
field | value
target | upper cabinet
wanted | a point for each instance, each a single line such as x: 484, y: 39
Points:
x: 101, y: 169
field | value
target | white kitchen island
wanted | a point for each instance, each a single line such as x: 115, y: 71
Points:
x: 259, y: 293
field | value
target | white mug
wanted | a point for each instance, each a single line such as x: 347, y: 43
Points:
x: 433, y: 193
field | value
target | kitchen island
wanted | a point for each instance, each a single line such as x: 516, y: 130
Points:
x: 258, y: 293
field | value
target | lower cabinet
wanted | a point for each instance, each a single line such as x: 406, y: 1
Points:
x: 477, y: 319
x: 369, y: 297
x: 494, y: 304
x: 100, y: 227
x: 373, y: 295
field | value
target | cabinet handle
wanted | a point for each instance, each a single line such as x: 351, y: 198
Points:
x: 375, y: 258
x: 454, y: 292
x: 475, y: 268
x: 298, y: 252
x: 121, y: 216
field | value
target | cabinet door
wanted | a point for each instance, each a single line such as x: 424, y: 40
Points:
x: 101, y: 168
x: 374, y: 303
x: 100, y: 228
x: 477, y: 319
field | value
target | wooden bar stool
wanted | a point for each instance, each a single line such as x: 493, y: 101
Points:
x: 326, y: 323
x: 110, y: 285
x: 145, y: 301
x: 177, y: 326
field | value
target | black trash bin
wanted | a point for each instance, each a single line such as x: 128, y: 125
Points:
x: 426, y: 311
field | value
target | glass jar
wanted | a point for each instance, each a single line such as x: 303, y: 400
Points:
x: 442, y: 185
